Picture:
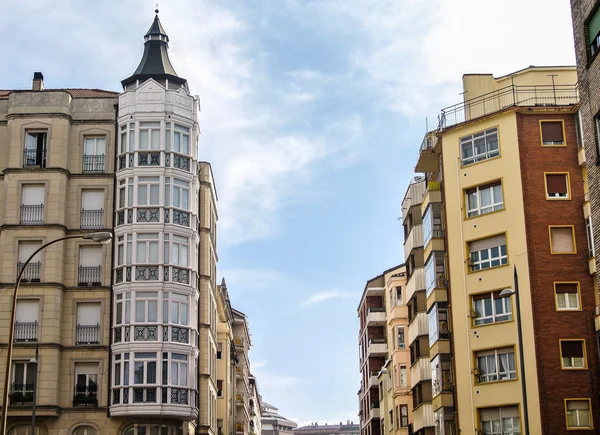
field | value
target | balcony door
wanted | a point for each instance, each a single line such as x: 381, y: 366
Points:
x: 88, y: 323
x: 32, y: 203
x: 26, y: 321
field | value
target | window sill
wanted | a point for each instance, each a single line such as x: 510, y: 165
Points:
x: 491, y: 324
x: 469, y: 272
x: 561, y: 310
x: 574, y: 368
x: 564, y: 145
x: 463, y: 166
x: 566, y: 198
x: 496, y: 382
x: 468, y: 218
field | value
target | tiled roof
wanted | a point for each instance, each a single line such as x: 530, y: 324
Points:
x: 75, y: 93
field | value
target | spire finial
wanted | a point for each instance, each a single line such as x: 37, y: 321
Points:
x: 156, y: 10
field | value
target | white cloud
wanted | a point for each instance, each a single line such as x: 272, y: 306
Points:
x: 251, y: 279
x: 318, y: 298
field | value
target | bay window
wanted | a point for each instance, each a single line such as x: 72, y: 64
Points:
x: 149, y: 135
x: 181, y: 139
x: 432, y: 223
x: 179, y: 250
x: 441, y: 374
x: 146, y: 307
x: 148, y: 190
x: 438, y: 323
x: 435, y: 273
x: 147, y: 248
x: 179, y: 308
x: 123, y: 308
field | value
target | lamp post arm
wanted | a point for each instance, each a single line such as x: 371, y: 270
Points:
x: 11, y: 335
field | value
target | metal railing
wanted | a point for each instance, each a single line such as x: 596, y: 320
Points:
x: 86, y: 395
x: 92, y: 218
x: 509, y: 96
x: 34, y: 157
x: 32, y: 272
x: 93, y: 163
x: 21, y: 394
x: 88, y: 334
x: 25, y: 331
x: 90, y: 275
x: 32, y: 214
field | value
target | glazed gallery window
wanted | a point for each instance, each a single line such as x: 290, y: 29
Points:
x: 484, y: 199
x: 149, y: 135
x: 572, y: 354
x: 487, y: 253
x: 125, y: 198
x: 438, y: 323
x: 500, y: 421
x: 479, y: 146
x: 147, y: 248
x: 144, y: 368
x: 557, y: 186
x: 567, y: 296
x: 148, y: 190
x: 178, y: 253
x: 491, y: 308
x: 496, y: 365
x: 181, y: 139
x: 578, y: 414
x: 552, y: 133
x: 562, y: 240
x: 401, y: 337
x: 180, y: 193
x: 179, y: 308
x: 122, y: 308
x: 146, y: 306
x: 150, y: 429
x: 124, y: 250
x: 175, y: 369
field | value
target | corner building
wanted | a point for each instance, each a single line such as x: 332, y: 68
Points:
x: 155, y: 335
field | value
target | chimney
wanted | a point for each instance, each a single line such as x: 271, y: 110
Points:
x: 38, y: 81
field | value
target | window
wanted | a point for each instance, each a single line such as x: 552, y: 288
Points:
x: 144, y: 368
x: 590, y: 239
x: 35, y: 149
x: 90, y: 265
x: 26, y: 320
x: 593, y: 28
x: 179, y: 308
x: 179, y: 250
x: 484, y: 199
x: 94, y: 150
x: 219, y: 427
x: 500, y: 421
x: 441, y: 374
x: 397, y: 417
x: 487, y: 253
x: 403, y: 415
x: 219, y: 350
x: 24, y: 430
x: 432, y: 223
x: 496, y: 365
x: 24, y: 378
x: 578, y: 413
x: 435, y: 273
x: 490, y: 308
x: 86, y: 384
x: 92, y: 204
x: 479, y: 146
x: 85, y: 430
x: 391, y: 420
x: 401, y: 337
x: 552, y: 132
x: 147, y: 248
x: 562, y: 240
x: 32, y: 203
x: 579, y: 130
x: 150, y: 429
x: 567, y: 296
x: 399, y: 298
x: 148, y: 189
x: 403, y: 378
x: 572, y: 354
x: 181, y: 139
x: 181, y: 190
x: 149, y: 135
x: 178, y: 369
x: 146, y: 306
x: 88, y: 323
x: 557, y: 186
x: 438, y: 323
x: 122, y: 308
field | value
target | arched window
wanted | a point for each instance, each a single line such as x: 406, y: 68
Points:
x: 24, y: 430
x: 85, y: 430
x: 150, y: 429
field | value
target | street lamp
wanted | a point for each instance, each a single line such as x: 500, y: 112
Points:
x: 100, y: 237
x: 34, y: 360
x: 508, y: 292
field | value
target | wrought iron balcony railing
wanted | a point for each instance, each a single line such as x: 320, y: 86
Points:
x: 86, y: 395
x: 32, y: 272
x: 26, y: 331
x: 93, y: 163
x: 88, y: 334
x: 32, y: 214
x: 22, y: 394
x: 90, y: 275
x: 92, y: 218
x: 34, y: 157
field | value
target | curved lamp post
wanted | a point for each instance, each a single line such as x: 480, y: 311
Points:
x: 100, y: 237
x: 509, y: 292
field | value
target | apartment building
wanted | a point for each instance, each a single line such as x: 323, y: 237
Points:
x: 385, y: 402
x: 242, y: 343
x: 255, y: 408
x: 274, y: 423
x: 348, y: 428
x: 226, y: 362
x: 586, y: 34
x: 57, y: 181
x: 504, y: 171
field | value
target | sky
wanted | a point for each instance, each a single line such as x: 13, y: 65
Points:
x: 312, y: 113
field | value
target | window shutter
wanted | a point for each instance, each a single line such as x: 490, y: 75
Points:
x: 510, y: 412
x: 33, y: 195
x: 490, y: 185
x: 594, y: 25
x: 562, y: 240
x: 28, y: 248
x: 488, y: 243
x: 566, y: 288
x: 88, y: 313
x: 87, y: 368
x: 552, y: 131
x: 557, y: 183
x: 481, y: 296
x: 489, y: 414
x: 27, y: 311
x: 573, y: 349
x: 90, y: 256
x: 578, y: 404
x: 92, y: 199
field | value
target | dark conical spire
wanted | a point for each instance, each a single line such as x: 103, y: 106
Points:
x: 155, y: 63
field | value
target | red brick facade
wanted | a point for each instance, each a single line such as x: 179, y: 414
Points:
x: 550, y: 325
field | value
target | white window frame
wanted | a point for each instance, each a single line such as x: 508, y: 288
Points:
x: 146, y: 307
x: 497, y: 200
x: 145, y: 360
x: 181, y: 132
x: 98, y: 145
x: 148, y: 191
x: 401, y: 345
x: 479, y: 320
x: 490, y: 151
x: 149, y: 136
x: 494, y: 254
x: 558, y: 195
x: 514, y: 430
x: 495, y: 375
x: 179, y: 366
x: 145, y: 244
x: 122, y: 307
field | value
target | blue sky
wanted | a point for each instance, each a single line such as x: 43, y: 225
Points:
x: 312, y: 114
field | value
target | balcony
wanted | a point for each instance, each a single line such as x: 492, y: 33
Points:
x: 92, y: 218
x: 414, y: 240
x: 32, y: 214
x: 174, y: 334
x: 420, y: 371
x: 414, y: 195
x: 509, y: 96
x: 90, y: 275
x: 86, y: 395
x: 34, y: 158
x: 377, y: 347
x: 93, y: 164
x: 240, y: 428
x: 415, y: 283
x: 26, y: 332
x: 428, y: 160
x: 22, y: 394
x: 239, y: 342
x: 176, y: 402
x: 372, y: 380
x: 423, y: 417
x: 87, y: 334
x: 374, y: 410
x: 417, y: 327
x: 375, y: 316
